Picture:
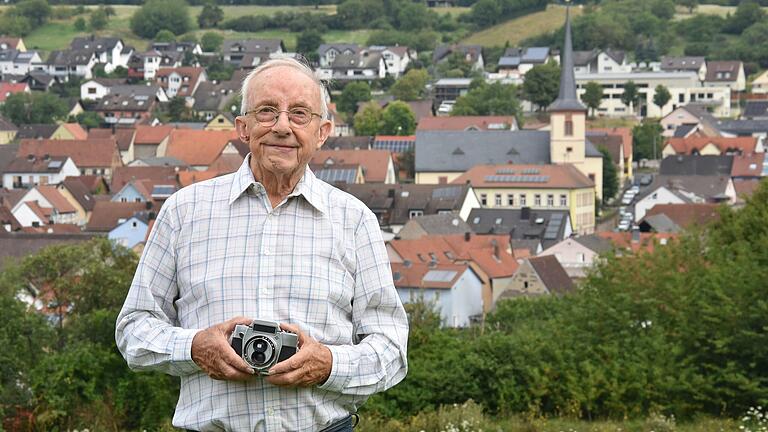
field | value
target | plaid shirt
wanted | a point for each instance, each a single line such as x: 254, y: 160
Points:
x: 219, y: 250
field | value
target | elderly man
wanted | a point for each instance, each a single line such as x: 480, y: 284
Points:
x: 270, y: 242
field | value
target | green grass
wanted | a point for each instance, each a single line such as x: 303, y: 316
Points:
x: 610, y: 122
x: 518, y: 29
x: 455, y: 11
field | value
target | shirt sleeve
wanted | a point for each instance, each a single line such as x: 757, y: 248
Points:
x: 379, y: 360
x: 147, y: 330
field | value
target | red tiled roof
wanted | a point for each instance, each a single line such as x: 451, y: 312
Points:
x: 76, y: 130
x: 686, y: 215
x: 745, y: 188
x: 374, y: 162
x: 748, y: 165
x: 465, y: 122
x: 57, y: 200
x: 557, y: 176
x: 106, y: 214
x: 412, y: 275
x: 6, y: 217
x: 54, y: 229
x: 152, y: 134
x: 123, y: 136
x: 87, y: 153
x: 192, y: 73
x: 154, y: 174
x: 455, y: 247
x: 686, y: 146
x: 43, y: 213
x: 7, y: 89
x: 198, y: 147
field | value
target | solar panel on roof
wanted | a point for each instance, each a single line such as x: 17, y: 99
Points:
x: 439, y: 276
x: 516, y: 179
x: 505, y: 171
x: 447, y: 192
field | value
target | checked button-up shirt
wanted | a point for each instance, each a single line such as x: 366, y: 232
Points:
x: 219, y: 250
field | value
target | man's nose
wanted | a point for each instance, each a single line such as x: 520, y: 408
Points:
x: 282, y: 123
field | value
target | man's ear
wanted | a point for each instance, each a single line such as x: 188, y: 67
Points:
x: 325, y: 131
x: 242, y: 128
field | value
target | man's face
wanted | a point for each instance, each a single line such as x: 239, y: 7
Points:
x: 283, y: 148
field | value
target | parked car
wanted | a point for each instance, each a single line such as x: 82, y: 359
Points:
x: 624, y: 225
x: 646, y: 179
x: 635, y: 189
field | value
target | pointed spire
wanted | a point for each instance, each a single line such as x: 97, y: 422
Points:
x: 567, y: 99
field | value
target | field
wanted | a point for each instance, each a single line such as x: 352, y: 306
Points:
x: 518, y: 29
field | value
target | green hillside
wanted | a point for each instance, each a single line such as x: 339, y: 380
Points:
x: 518, y: 29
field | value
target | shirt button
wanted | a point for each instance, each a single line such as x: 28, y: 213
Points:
x: 267, y: 252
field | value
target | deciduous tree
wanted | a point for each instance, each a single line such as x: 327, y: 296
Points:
x: 411, y: 86
x: 661, y: 97
x: 542, y: 84
x: 368, y: 119
x: 352, y: 94
x: 397, y: 119
x: 593, y: 96
x: 156, y: 15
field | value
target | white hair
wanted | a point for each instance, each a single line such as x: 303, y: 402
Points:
x: 288, y: 62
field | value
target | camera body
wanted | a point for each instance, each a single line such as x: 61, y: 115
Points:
x: 262, y: 344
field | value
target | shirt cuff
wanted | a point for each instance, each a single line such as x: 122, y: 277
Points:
x: 181, y: 357
x: 340, y: 369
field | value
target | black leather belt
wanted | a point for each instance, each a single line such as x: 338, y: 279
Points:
x: 342, y: 425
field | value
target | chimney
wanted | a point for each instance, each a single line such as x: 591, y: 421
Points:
x: 31, y: 157
x: 525, y: 213
x: 149, y: 205
x: 390, y: 193
x: 495, y: 245
x: 635, y: 235
x: 467, y: 236
x: 46, y: 157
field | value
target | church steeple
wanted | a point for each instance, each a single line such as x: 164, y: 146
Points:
x: 567, y: 99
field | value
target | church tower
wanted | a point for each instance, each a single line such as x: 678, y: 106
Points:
x: 567, y: 113
x: 567, y: 136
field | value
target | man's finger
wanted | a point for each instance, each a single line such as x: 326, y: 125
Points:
x: 290, y: 364
x: 232, y: 359
x: 293, y: 328
x: 229, y: 325
x: 230, y: 373
x: 292, y: 378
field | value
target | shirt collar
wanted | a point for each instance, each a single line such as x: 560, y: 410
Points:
x: 308, y: 186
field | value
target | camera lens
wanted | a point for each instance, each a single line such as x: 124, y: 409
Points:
x: 258, y: 357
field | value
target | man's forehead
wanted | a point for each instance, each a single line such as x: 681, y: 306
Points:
x: 284, y: 81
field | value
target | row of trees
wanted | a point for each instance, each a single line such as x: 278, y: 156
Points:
x: 679, y: 331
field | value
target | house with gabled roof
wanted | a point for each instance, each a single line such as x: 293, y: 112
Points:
x: 396, y: 204
x: 714, y: 146
x: 518, y: 61
x: 397, y: 58
x: 131, y: 232
x: 377, y: 165
x: 16, y: 43
x: 36, y: 131
x: 65, y: 63
x: 455, y: 289
x: 363, y: 66
x: 328, y: 52
x: 8, y: 222
x: 247, y: 53
x: 199, y: 148
x: 109, y: 214
x: 212, y: 97
x: 690, y: 119
x: 43, y: 205
x: 537, y: 276
x: 126, y: 109
x: 109, y: 51
x: 489, y: 256
x: 578, y: 254
x: 221, y: 121
x: 123, y: 136
x: 153, y: 175
x: 755, y: 110
x: 32, y: 169
x: 181, y: 81
x: 634, y: 242
x: 69, y: 131
x: 546, y: 226
x: 685, y: 189
x: 150, y: 141
x: 726, y: 73
x: 13, y: 62
x: 336, y: 174
x: 472, y: 54
x: 674, y: 218
x: 39, y: 80
x: 91, y: 156
x: 179, y: 47
x: 760, y: 83
x: 437, y: 224
x: 600, y: 61
x: 78, y: 195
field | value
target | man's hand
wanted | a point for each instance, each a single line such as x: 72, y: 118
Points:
x: 311, y: 365
x: 212, y: 352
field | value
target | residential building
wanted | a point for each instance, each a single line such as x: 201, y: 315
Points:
x: 518, y: 61
x: 78, y: 195
x: 212, y: 98
x: 689, y: 120
x: 7, y: 43
x: 728, y: 74
x: 31, y: 170
x: 685, y: 189
x: 66, y: 63
x: 199, y: 148
x: 43, y: 205
x: 396, y: 58
x: 222, y: 121
x: 150, y: 141
x: 455, y: 289
x: 394, y: 205
x: 547, y: 227
x: 703, y: 145
x: 538, y: 187
x: 578, y: 254
x: 760, y: 83
x: 91, y: 156
x: 377, y: 165
x: 15, y: 62
x: 8, y: 131
x: 542, y: 275
x: 123, y: 136
x: 248, y: 53
x: 449, y: 89
x: 674, y: 218
x: 437, y: 224
x: 394, y: 143
x: 109, y: 51
x: 363, y: 66
x: 181, y: 81
x: 624, y: 160
x: 328, y: 52
x: 472, y: 54
x: 109, y: 214
x: 599, y: 61
x: 755, y: 110
x: 132, y: 232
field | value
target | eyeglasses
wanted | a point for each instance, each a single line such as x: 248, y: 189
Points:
x: 267, y: 115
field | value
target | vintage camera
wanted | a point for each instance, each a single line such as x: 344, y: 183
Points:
x: 262, y: 344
